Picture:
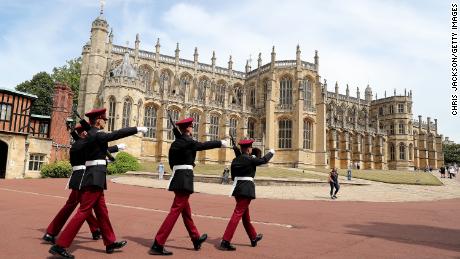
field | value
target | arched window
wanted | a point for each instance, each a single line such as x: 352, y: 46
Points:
x: 196, y: 124
x: 402, y: 151
x: 252, y: 97
x: 265, y: 86
x: 232, y: 126
x: 392, y: 129
x: 214, y: 127
x: 392, y: 152
x: 251, y: 128
x: 391, y: 109
x: 286, y: 92
x: 381, y: 111
x: 111, y: 118
x: 145, y: 75
x: 184, y: 84
x: 150, y: 121
x: 175, y: 117
x: 127, y: 107
x: 164, y: 81
x: 285, y: 133
x: 307, y: 93
x: 202, y: 90
x: 307, y: 134
x: 220, y: 93
x: 238, y: 95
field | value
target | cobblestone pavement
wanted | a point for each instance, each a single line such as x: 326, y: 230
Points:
x: 373, y: 191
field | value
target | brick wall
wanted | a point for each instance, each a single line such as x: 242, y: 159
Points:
x: 62, y: 109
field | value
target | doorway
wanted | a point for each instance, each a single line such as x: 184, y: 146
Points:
x: 3, y: 158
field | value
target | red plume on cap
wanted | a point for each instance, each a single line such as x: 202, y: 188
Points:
x: 97, y: 113
x: 185, y: 122
x: 245, y: 142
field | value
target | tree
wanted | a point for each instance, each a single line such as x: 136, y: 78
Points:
x: 42, y: 86
x: 69, y: 74
x: 451, y: 153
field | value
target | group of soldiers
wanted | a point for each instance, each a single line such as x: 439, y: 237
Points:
x: 88, y: 157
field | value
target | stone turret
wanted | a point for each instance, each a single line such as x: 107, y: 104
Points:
x: 368, y: 94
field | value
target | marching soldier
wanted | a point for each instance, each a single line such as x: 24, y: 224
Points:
x: 243, y: 170
x: 93, y: 184
x: 77, y: 160
x: 182, y: 160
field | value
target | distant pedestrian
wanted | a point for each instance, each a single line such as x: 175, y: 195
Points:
x: 334, y: 183
x: 225, y: 175
x: 349, y: 172
x: 442, y: 170
x: 161, y: 171
x: 358, y: 166
x: 450, y: 171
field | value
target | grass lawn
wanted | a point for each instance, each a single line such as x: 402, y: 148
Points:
x: 390, y: 176
x: 273, y: 172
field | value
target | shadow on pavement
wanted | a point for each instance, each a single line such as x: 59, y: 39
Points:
x: 441, y: 238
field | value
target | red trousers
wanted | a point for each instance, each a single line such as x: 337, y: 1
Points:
x: 91, y: 198
x: 63, y: 215
x: 241, y: 210
x: 180, y: 206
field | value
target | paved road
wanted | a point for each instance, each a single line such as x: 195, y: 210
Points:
x: 292, y: 228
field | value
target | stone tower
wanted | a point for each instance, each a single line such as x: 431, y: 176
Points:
x: 94, y: 65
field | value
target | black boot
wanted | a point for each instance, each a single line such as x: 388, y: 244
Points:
x: 225, y: 245
x: 49, y: 238
x: 157, y: 249
x: 115, y: 245
x: 96, y: 235
x: 197, y: 243
x: 57, y: 250
x: 257, y: 239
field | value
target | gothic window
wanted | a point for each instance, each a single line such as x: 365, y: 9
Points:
x: 307, y: 134
x: 381, y: 111
x: 400, y: 107
x: 286, y: 92
x: 285, y: 133
x: 307, y: 91
x: 184, y: 84
x: 164, y: 81
x: 175, y: 117
x: 127, y: 107
x: 391, y: 109
x: 150, y: 121
x: 251, y: 128
x: 402, y: 128
x: 146, y: 78
x: 232, y: 126
x: 266, y: 82
x: 220, y: 93
x: 111, y: 118
x: 402, y: 151
x: 252, y: 97
x: 196, y: 124
x: 392, y: 152
x: 202, y: 90
x: 238, y: 95
x: 214, y: 127
x: 392, y: 129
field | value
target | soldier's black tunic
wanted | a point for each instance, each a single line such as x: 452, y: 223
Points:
x: 183, y: 152
x: 96, y: 149
x: 245, y: 166
x: 77, y: 157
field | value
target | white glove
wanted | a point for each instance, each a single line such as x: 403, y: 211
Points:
x: 121, y: 146
x: 224, y: 143
x: 142, y: 129
x: 271, y: 151
x: 253, y: 156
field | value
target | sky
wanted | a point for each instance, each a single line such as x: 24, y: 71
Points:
x: 389, y: 45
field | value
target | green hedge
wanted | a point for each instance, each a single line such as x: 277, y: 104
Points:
x: 123, y: 162
x: 60, y: 169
